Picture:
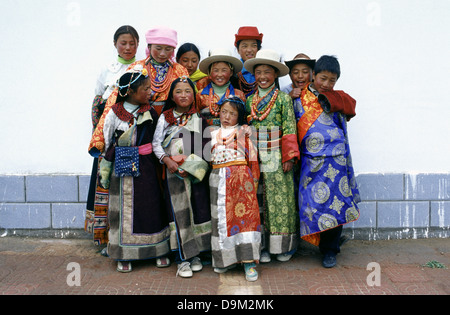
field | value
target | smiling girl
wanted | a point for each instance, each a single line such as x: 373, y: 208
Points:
x: 271, y: 113
x: 220, y: 65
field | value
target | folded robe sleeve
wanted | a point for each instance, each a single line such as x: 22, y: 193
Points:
x: 339, y: 101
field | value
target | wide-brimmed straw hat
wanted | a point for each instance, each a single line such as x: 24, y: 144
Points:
x: 217, y: 55
x: 267, y: 57
x: 301, y: 58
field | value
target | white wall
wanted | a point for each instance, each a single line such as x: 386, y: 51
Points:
x: 393, y: 54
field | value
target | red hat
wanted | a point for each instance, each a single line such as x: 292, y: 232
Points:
x: 248, y: 32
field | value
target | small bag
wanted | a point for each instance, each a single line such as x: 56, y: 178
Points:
x: 127, y: 159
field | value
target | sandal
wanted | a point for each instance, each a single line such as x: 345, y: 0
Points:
x: 162, y: 262
x: 124, y: 266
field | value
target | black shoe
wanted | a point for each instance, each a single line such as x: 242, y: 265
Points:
x: 329, y: 260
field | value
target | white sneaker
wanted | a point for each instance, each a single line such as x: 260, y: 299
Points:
x: 284, y: 257
x: 196, y: 264
x: 265, y: 257
x: 184, y: 270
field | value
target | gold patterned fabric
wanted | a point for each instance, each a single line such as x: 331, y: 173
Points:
x: 277, y: 143
x: 328, y: 192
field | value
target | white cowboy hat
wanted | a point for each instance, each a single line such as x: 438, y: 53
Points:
x: 217, y: 55
x: 267, y: 57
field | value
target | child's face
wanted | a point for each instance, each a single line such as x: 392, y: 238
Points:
x: 220, y: 73
x: 126, y: 46
x: 228, y: 115
x: 142, y: 95
x: 183, y: 96
x: 248, y: 49
x: 300, y: 75
x: 324, y: 81
x: 161, y: 53
x: 265, y: 76
x: 190, y: 61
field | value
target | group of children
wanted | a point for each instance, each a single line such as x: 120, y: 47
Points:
x: 209, y: 156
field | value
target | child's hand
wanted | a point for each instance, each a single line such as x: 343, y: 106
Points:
x: 287, y: 166
x: 183, y: 173
x: 295, y: 93
x: 247, y: 130
x: 171, y: 165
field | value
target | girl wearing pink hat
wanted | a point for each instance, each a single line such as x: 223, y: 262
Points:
x: 162, y: 42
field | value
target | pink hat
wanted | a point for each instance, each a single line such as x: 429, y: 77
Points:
x: 162, y: 36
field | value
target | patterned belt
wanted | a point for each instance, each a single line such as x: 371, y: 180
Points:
x: 268, y: 145
x: 269, y: 140
x: 216, y: 166
x: 269, y: 135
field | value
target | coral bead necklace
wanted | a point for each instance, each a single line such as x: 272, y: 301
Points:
x: 213, y: 107
x: 226, y: 140
x: 244, y: 85
x: 261, y: 115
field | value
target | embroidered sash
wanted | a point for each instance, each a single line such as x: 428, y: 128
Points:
x: 312, y: 109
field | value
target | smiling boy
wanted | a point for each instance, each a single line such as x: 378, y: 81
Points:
x: 328, y: 194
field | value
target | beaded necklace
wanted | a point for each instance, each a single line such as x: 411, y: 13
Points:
x: 245, y: 86
x: 164, y: 84
x: 170, y: 117
x: 221, y: 155
x: 226, y: 140
x: 261, y: 115
x: 213, y: 107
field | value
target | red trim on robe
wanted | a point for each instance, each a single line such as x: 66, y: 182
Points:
x: 289, y: 148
